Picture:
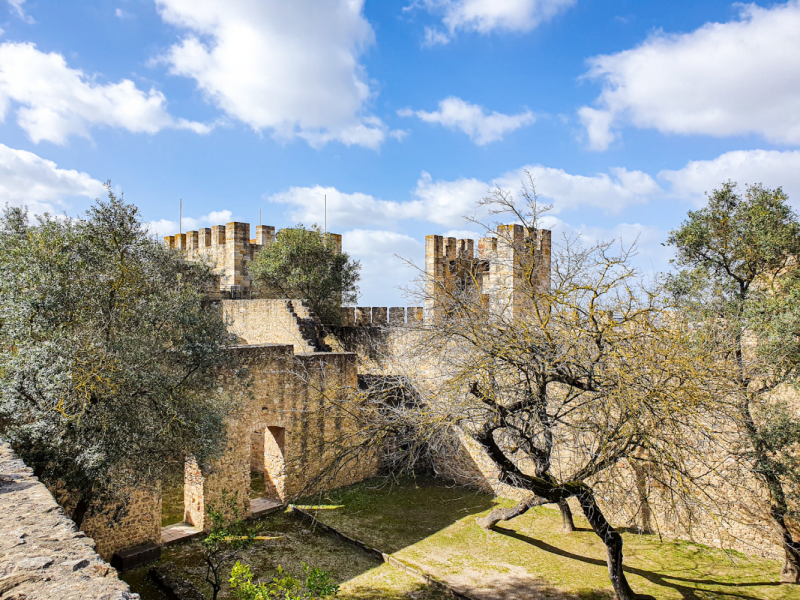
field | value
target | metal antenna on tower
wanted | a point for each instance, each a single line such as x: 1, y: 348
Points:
x: 180, y: 219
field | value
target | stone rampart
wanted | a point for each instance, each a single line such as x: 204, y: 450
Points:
x: 44, y: 556
x: 266, y: 321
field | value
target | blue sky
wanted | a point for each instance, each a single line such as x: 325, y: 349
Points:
x: 404, y: 113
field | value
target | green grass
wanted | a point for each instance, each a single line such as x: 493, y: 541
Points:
x: 433, y: 527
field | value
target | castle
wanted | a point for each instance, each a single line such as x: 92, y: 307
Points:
x: 294, y: 363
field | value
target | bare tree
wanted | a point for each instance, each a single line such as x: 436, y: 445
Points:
x: 561, y: 375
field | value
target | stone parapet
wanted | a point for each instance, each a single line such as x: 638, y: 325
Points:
x: 380, y: 316
x: 44, y: 556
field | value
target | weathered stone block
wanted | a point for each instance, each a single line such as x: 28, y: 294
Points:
x: 415, y: 314
x: 397, y: 315
x: 363, y: 316
x: 379, y: 315
x: 348, y: 316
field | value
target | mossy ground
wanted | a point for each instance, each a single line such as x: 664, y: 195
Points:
x: 432, y: 525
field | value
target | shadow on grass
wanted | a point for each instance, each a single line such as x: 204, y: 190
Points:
x: 391, y: 515
x: 669, y: 581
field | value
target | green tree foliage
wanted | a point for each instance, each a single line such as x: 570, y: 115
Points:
x: 739, y: 277
x: 318, y: 584
x: 302, y: 263
x: 108, y: 353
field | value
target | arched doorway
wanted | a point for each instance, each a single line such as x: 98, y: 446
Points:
x: 267, y: 463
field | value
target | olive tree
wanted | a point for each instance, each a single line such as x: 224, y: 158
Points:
x: 307, y: 264
x: 109, y: 354
x: 738, y: 278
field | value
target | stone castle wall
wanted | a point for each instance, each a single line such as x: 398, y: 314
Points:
x: 284, y: 400
x: 741, y: 523
x: 266, y: 321
x: 139, y: 523
x: 44, y: 556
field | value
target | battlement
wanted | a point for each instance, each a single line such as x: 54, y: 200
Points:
x: 380, y: 316
x: 496, y: 273
x: 229, y: 248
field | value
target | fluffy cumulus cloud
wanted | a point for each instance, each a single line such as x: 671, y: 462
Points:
x: 290, y: 68
x: 768, y: 167
x: 164, y: 227
x: 53, y: 101
x: 486, y: 16
x: 610, y: 192
x: 645, y: 241
x: 481, y: 127
x: 723, y: 79
x: 28, y: 179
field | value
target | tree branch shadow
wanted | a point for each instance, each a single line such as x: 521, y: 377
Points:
x: 653, y: 577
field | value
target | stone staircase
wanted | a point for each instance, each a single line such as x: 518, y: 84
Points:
x: 309, y: 325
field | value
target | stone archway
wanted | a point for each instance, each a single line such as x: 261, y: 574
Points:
x: 267, y: 460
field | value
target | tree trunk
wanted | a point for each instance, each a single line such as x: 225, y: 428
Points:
x: 790, y: 573
x: 506, y: 514
x: 79, y: 512
x: 613, y: 542
x: 567, y: 524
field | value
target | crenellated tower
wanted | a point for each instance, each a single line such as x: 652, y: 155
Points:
x: 504, y: 271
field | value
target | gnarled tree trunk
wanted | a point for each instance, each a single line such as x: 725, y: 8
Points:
x: 613, y: 542
x: 506, y: 514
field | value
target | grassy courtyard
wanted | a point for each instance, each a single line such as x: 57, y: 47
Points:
x: 432, y: 526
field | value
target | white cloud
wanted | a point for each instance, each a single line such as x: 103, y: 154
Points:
x: 441, y: 202
x: 121, y: 14
x: 291, y: 68
x: 723, y: 79
x: 27, y: 179
x: 382, y: 272
x: 55, y: 101
x: 482, y: 128
x: 344, y: 210
x: 486, y: 16
x: 611, y: 192
x: 164, y: 227
x: 16, y: 6
x: 649, y: 253
x: 445, y: 203
x: 769, y: 167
